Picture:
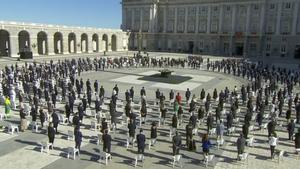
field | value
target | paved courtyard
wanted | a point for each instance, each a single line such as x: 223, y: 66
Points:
x: 21, y: 151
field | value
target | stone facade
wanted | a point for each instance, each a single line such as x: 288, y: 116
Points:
x: 53, y: 39
x: 250, y: 28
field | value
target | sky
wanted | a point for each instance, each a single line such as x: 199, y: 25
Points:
x: 86, y: 13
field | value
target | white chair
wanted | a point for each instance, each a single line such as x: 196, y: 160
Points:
x: 105, y: 156
x: 212, y: 131
x: 280, y: 156
x: 298, y: 152
x: 139, y: 157
x: 250, y: 141
x: 70, y: 135
x: 172, y: 132
x: 236, y: 120
x: 251, y: 128
x: 244, y: 157
x: 195, y: 131
x: 34, y: 126
x: 99, y: 138
x: 94, y: 125
x: 265, y: 126
x: 2, y: 116
x: 151, y: 143
x: 72, y: 151
x: 231, y: 130
x: 220, y: 142
x: 177, y: 159
x: 45, y: 145
x: 94, y: 114
x: 61, y: 118
x: 12, y: 128
x: 207, y: 159
x: 130, y: 140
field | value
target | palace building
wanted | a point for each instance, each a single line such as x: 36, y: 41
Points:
x: 43, y: 39
x: 249, y: 28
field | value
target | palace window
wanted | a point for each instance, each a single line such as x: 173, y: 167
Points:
x: 255, y: 6
x: 272, y: 6
x: 268, y: 47
x: 288, y: 5
x: 283, y: 48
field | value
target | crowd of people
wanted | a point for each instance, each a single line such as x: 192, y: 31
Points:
x: 270, y: 93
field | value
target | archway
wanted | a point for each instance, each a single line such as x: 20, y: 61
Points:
x: 84, y: 43
x: 42, y: 43
x: 114, y: 43
x: 72, y: 43
x: 58, y: 43
x: 105, y: 42
x: 4, y: 43
x: 95, y: 43
x: 24, y: 41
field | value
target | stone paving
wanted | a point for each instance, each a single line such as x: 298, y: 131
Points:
x: 21, y: 151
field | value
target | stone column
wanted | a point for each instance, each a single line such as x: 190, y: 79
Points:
x: 132, y: 18
x: 151, y: 19
x: 65, y: 44
x: 233, y: 19
x: 109, y: 43
x: 124, y: 17
x: 262, y: 19
x: 221, y: 19
x: 295, y: 17
x: 14, y: 46
x: 278, y: 20
x: 165, y: 20
x: 248, y: 19
x: 141, y: 19
x: 155, y: 18
x: 186, y: 20
x: 90, y: 44
x: 50, y: 44
x: 175, y: 23
x: 208, y: 20
x: 78, y: 41
x: 231, y: 45
x: 197, y: 20
x: 34, y: 45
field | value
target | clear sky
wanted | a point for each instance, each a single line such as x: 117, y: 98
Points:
x: 89, y: 13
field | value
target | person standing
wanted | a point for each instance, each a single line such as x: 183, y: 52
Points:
x: 141, y: 142
x: 7, y: 107
x: 78, y: 137
x: 106, y: 138
x: 51, y: 134
x: 206, y: 144
x: 42, y: 117
x: 153, y: 134
x: 273, y: 142
x: 176, y: 144
x: 23, y: 120
x: 131, y: 130
x: 241, y: 142
x: 297, y: 139
x: 291, y: 128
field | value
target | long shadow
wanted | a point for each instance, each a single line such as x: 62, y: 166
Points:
x: 33, y: 143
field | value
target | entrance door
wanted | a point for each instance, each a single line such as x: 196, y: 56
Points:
x: 297, y: 52
x: 239, y: 50
x: 191, y: 47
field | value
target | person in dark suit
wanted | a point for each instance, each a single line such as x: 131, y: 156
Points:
x: 131, y: 129
x: 55, y: 121
x: 291, y: 128
x: 68, y: 112
x: 176, y: 144
x: 51, y: 134
x: 42, y: 117
x: 245, y: 130
x: 297, y: 139
x: 78, y: 137
x: 140, y: 138
x: 241, y: 142
x: 106, y: 138
x: 209, y: 122
x: 153, y: 134
x: 104, y: 125
x: 174, y: 121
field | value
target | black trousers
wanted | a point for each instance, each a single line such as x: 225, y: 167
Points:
x: 272, y: 151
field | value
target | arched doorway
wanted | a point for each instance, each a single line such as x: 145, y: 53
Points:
x: 72, y: 43
x: 105, y: 42
x: 95, y: 43
x: 24, y: 41
x: 42, y: 43
x: 4, y: 43
x: 114, y: 43
x: 84, y: 43
x: 58, y: 43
